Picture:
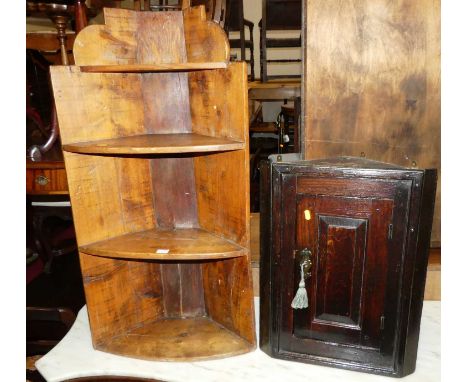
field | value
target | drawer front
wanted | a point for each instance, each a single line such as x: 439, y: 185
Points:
x: 352, y: 232
x: 46, y: 181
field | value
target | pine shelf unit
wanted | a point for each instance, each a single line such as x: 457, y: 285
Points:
x: 157, y: 162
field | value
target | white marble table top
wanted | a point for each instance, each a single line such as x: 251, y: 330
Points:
x: 75, y: 357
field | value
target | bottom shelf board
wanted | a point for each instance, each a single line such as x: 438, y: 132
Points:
x: 177, y: 244
x: 187, y: 339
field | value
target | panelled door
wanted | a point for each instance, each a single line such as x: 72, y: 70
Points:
x: 344, y: 232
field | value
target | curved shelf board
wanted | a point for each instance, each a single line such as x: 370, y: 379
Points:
x: 178, y: 244
x: 153, y: 68
x: 156, y: 144
x: 187, y: 339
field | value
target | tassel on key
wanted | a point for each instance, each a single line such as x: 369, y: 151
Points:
x: 300, y: 300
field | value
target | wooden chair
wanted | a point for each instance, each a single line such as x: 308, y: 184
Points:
x: 278, y: 15
x: 215, y: 9
x: 46, y: 327
x: 60, y: 12
x: 235, y: 22
x: 290, y: 120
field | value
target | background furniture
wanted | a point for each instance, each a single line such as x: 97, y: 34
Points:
x: 357, y: 232
x: 75, y: 356
x: 278, y: 15
x: 60, y: 13
x: 52, y: 298
x: 157, y: 168
x: 371, y: 88
x: 215, y: 9
x: 235, y: 22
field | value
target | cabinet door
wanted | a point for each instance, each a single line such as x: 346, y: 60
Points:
x: 354, y: 229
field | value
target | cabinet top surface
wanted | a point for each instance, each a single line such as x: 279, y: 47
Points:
x: 347, y: 163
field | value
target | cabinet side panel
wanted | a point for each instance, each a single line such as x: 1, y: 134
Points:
x: 218, y: 102
x: 120, y: 295
x: 428, y: 200
x: 110, y: 196
x: 229, y: 295
x: 93, y: 106
x: 266, y: 266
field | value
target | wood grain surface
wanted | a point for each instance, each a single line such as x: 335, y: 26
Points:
x: 180, y: 244
x: 156, y: 144
x: 159, y: 160
x: 47, y: 180
x: 372, y: 83
x: 139, y: 68
x: 193, y: 339
x: 368, y: 248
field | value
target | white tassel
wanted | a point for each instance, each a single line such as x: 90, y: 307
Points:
x: 300, y: 300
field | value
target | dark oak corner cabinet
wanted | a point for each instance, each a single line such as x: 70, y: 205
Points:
x: 363, y: 230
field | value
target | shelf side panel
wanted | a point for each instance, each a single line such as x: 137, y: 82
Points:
x: 130, y: 37
x: 109, y: 196
x: 223, y: 195
x: 123, y: 295
x: 219, y: 102
x: 93, y: 106
x: 205, y: 40
x: 229, y: 295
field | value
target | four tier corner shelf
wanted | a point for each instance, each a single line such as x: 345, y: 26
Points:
x: 154, y: 128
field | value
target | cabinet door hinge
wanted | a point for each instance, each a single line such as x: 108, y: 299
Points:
x: 382, y: 322
x: 390, y: 231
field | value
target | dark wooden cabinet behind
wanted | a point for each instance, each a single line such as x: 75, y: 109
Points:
x: 366, y: 228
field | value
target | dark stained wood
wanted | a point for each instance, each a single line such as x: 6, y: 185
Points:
x: 367, y: 225
x: 46, y: 178
x: 372, y: 83
x: 235, y: 22
x: 47, y: 41
x: 431, y: 292
x: 81, y: 19
x: 278, y: 15
x: 159, y: 160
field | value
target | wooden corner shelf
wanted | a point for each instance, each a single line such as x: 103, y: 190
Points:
x: 163, y: 237
x: 189, y: 339
x: 153, y: 68
x: 155, y: 244
x: 156, y: 144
